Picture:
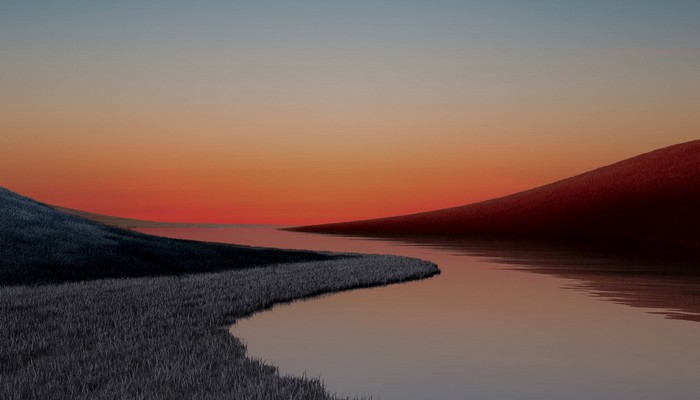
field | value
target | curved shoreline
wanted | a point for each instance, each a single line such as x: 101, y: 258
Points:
x: 91, y: 311
x: 161, y: 337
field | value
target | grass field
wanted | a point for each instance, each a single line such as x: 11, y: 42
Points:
x: 150, y: 331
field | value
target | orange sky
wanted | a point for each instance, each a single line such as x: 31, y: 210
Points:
x: 264, y: 115
x: 292, y: 179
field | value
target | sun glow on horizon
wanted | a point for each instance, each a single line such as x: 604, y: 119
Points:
x: 252, y: 113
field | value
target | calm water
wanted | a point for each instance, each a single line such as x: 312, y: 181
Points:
x: 504, y: 320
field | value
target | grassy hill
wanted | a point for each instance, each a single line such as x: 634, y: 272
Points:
x: 654, y: 196
x: 39, y: 244
x: 91, y: 311
x: 129, y: 223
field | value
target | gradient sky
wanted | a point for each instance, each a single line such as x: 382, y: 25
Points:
x: 315, y: 111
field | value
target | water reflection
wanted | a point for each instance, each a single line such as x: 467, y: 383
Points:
x: 488, y: 327
x: 664, y: 278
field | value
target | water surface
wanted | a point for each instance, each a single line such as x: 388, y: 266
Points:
x: 504, y: 320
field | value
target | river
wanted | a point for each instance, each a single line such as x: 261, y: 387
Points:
x: 503, y: 320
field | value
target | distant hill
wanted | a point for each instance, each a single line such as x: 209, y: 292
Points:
x: 39, y: 244
x: 653, y: 196
x: 129, y: 223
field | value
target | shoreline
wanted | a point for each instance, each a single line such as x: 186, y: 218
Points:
x: 91, y: 311
x: 112, y: 338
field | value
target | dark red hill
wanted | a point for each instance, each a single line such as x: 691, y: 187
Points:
x: 653, y: 196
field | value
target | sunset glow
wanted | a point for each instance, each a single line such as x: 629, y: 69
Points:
x: 319, y: 112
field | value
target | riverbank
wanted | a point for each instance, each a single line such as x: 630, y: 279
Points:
x: 150, y: 331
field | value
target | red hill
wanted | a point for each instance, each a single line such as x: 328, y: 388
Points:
x: 653, y: 196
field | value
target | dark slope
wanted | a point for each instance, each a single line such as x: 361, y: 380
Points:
x: 39, y: 244
x: 130, y: 223
x: 152, y: 336
x: 654, y: 196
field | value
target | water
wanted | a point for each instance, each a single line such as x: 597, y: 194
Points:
x: 504, y: 320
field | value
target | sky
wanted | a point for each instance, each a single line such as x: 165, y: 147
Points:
x: 300, y: 112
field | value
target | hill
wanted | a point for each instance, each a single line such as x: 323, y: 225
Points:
x: 39, y: 245
x: 68, y: 332
x: 654, y: 196
x: 130, y: 223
